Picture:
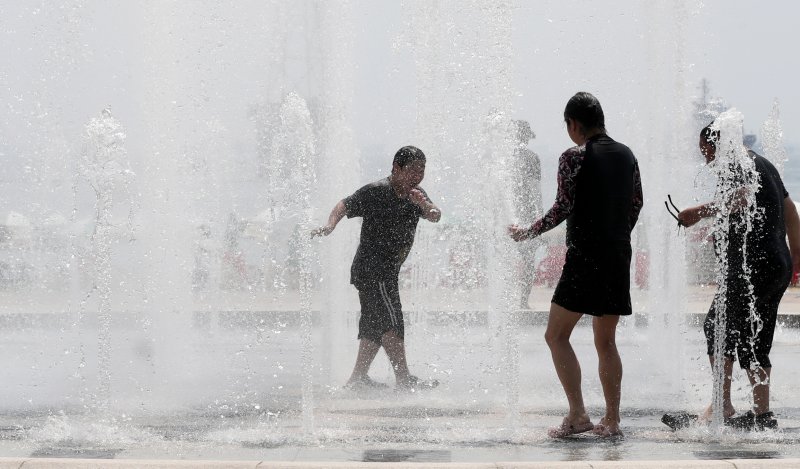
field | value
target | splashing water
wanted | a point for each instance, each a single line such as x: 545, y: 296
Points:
x: 772, y: 139
x: 295, y: 142
x: 735, y: 199
x: 104, y: 165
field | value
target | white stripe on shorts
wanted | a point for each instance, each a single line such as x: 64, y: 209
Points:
x: 388, y: 302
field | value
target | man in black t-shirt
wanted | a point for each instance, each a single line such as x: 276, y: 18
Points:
x: 390, y: 208
x: 756, y: 280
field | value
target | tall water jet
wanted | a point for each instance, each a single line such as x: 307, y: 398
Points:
x: 664, y: 159
x: 772, y: 139
x: 104, y: 165
x: 294, y: 143
x: 338, y: 168
x: 737, y: 184
x: 503, y: 280
x: 464, y: 66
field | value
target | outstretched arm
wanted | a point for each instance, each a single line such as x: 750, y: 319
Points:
x: 737, y: 201
x: 334, y: 218
x: 692, y: 215
x: 430, y: 211
x: 568, y: 166
x: 792, y: 220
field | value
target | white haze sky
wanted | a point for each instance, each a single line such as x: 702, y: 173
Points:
x: 741, y: 47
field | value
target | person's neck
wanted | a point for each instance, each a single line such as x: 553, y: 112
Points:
x: 398, y: 189
x: 594, y: 133
x: 591, y: 134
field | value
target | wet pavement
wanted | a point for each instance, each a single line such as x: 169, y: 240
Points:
x: 228, y: 385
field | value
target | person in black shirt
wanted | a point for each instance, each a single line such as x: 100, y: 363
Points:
x: 600, y: 196
x: 767, y: 267
x: 390, y: 208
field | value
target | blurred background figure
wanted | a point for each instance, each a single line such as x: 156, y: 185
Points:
x: 527, y: 196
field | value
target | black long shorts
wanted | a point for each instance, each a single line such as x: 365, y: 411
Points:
x: 750, y: 341
x: 596, y: 280
x: 381, y: 310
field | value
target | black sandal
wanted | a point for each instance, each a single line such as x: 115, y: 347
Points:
x: 678, y: 420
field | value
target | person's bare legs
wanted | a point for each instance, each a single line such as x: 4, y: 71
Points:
x: 727, y: 405
x: 610, y: 370
x: 559, y: 329
x: 396, y: 351
x: 759, y: 379
x: 367, y: 350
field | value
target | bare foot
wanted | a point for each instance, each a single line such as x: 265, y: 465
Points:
x: 571, y: 427
x: 727, y: 412
x: 607, y: 428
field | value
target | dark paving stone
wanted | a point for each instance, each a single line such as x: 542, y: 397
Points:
x: 413, y: 412
x: 400, y: 455
x: 74, y: 450
x: 178, y: 432
x: 11, y: 432
x: 737, y: 454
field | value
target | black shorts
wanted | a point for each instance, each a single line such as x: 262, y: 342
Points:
x: 381, y: 310
x: 596, y: 280
x: 750, y: 341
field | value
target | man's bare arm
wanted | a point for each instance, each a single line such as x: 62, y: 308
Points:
x: 792, y: 220
x: 692, y: 215
x: 737, y: 201
x: 334, y: 218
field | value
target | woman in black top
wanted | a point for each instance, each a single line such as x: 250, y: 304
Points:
x: 600, y: 196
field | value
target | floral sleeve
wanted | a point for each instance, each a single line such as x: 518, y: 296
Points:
x: 568, y: 166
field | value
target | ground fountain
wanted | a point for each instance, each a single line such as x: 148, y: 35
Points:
x: 104, y: 166
x: 225, y: 332
x: 735, y: 171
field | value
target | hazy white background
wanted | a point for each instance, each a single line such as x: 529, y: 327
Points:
x: 64, y: 61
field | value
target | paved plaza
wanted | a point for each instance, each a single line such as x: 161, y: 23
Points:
x: 228, y: 384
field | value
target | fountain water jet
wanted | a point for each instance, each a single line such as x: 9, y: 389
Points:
x: 105, y: 166
x: 231, y: 365
x: 772, y: 139
x: 737, y: 184
x: 295, y: 143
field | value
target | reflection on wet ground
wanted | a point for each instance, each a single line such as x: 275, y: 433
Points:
x: 408, y: 433
x: 238, y: 397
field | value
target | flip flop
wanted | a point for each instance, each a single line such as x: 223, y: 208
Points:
x: 678, y: 420
x: 567, y: 429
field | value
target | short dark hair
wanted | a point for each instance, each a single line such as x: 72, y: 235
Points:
x: 710, y: 135
x: 586, y: 110
x: 524, y: 132
x: 407, y: 154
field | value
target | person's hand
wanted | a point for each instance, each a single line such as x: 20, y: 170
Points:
x: 417, y: 197
x: 795, y: 262
x: 519, y: 233
x: 690, y: 216
x: 322, y: 231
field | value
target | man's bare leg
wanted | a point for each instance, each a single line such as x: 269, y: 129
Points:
x: 396, y: 351
x: 559, y: 329
x: 759, y: 379
x: 610, y: 370
x: 727, y: 405
x: 367, y: 350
